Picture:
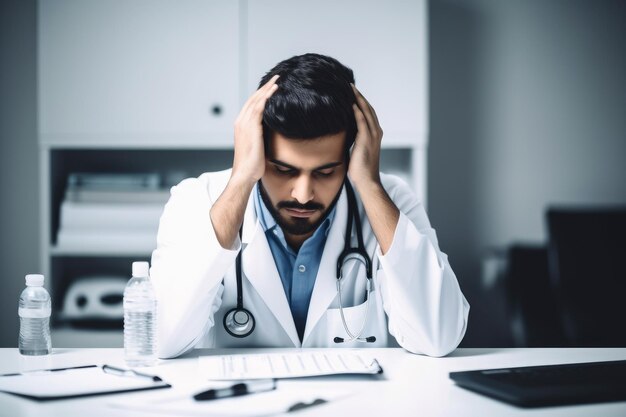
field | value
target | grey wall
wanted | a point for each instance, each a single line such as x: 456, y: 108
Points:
x: 528, y: 109
x: 19, y: 163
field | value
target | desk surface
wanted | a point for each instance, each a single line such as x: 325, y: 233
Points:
x: 413, y: 385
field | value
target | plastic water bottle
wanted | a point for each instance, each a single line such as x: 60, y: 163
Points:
x: 140, y: 318
x: 34, y: 311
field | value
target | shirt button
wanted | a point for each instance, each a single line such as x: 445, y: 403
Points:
x: 302, y: 268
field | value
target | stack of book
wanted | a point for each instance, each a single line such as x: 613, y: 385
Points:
x: 111, y: 212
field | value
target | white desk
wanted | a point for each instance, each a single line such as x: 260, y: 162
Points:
x: 412, y: 385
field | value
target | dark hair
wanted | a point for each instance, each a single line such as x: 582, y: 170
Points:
x: 314, y: 99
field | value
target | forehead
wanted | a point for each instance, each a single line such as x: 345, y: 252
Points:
x: 307, y: 153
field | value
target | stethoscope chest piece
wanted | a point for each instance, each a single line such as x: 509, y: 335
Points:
x: 239, y: 322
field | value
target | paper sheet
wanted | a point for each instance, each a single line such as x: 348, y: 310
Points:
x: 286, y: 365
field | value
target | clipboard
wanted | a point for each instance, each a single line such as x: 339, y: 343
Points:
x: 75, y: 382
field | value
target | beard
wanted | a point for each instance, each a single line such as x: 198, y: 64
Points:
x: 295, y: 225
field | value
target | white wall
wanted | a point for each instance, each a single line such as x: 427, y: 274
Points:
x: 528, y: 110
x: 527, y: 104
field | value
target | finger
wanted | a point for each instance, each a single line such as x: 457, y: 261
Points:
x: 367, y: 104
x: 270, y: 82
x: 373, y: 112
x: 262, y: 94
x: 366, y: 109
x: 361, y: 121
x: 258, y: 107
x: 263, y: 90
x: 256, y: 103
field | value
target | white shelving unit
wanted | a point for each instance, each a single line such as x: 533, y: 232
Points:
x: 156, y: 86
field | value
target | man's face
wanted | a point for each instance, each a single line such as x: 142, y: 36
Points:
x: 302, y: 180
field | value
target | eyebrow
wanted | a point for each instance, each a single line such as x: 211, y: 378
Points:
x: 286, y: 165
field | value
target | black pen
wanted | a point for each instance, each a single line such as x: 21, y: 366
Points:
x: 128, y: 372
x: 242, y: 388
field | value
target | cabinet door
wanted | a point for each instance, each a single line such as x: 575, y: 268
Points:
x: 383, y: 42
x: 137, y: 72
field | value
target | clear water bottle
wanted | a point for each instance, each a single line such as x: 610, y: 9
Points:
x: 34, y: 311
x: 140, y: 318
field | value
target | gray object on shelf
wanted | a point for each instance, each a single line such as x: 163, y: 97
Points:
x: 94, y: 298
x: 114, y: 181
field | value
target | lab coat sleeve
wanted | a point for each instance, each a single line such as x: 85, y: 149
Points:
x: 427, y: 312
x: 188, y: 266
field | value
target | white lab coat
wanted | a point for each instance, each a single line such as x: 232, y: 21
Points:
x: 415, y: 295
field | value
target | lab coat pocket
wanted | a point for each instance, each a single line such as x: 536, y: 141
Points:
x: 355, y: 319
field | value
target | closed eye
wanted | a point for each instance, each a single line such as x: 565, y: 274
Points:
x: 283, y: 170
x: 325, y: 172
x: 287, y: 171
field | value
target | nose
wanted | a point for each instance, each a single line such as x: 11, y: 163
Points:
x: 302, y: 190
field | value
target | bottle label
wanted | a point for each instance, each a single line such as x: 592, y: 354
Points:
x: 34, y: 313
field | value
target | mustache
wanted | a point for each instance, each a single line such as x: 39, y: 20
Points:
x: 295, y: 205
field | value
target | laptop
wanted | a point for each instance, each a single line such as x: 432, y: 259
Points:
x: 549, y: 385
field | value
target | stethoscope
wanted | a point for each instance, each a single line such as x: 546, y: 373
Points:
x: 239, y: 322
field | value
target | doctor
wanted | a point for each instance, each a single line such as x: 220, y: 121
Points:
x: 303, y: 243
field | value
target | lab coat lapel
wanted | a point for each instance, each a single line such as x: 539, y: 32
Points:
x: 260, y: 269
x: 325, y: 288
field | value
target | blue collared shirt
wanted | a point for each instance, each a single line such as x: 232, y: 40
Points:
x: 297, y: 270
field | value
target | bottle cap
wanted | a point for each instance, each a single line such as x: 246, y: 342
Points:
x: 141, y: 269
x: 34, y: 280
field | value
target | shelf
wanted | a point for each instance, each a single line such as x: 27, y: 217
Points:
x: 90, y: 252
x: 138, y: 141
x: 187, y: 141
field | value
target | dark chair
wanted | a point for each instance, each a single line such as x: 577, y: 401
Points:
x: 587, y: 264
x: 533, y: 313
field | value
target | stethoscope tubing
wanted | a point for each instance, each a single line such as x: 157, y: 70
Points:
x: 230, y: 316
x: 349, y: 251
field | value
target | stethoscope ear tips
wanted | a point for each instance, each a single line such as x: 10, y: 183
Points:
x: 369, y: 339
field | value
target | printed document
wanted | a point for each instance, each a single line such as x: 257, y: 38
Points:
x: 287, y: 365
